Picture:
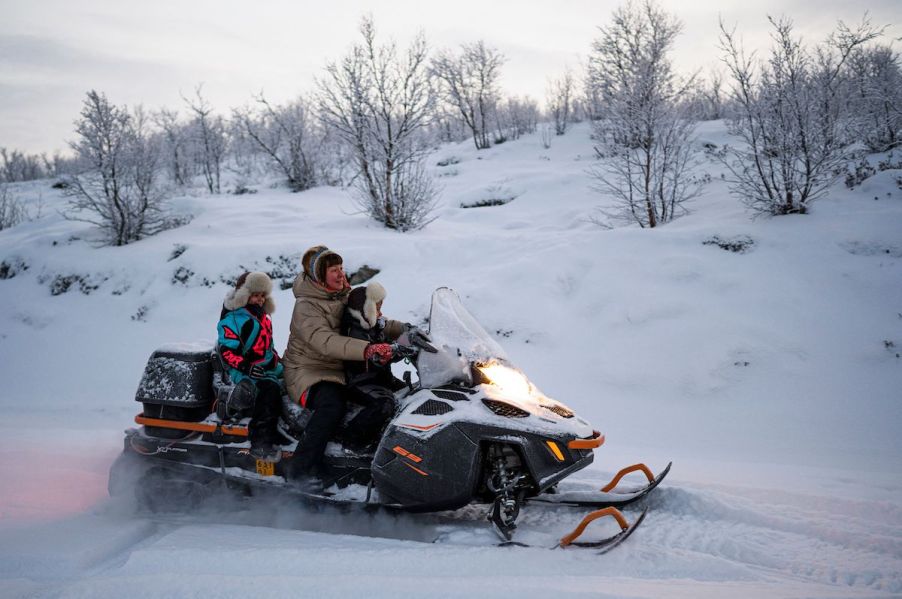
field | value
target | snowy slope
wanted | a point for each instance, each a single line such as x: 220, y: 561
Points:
x: 770, y: 377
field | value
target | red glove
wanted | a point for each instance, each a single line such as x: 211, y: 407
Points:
x: 379, y: 352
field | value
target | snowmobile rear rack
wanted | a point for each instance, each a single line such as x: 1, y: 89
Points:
x: 237, y: 430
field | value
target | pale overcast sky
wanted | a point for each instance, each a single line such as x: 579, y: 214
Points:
x: 150, y: 51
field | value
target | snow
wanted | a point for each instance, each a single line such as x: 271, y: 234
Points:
x: 769, y: 377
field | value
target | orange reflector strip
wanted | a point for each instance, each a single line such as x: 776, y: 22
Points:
x: 586, y: 443
x: 415, y: 469
x: 555, y: 450
x: 420, y: 428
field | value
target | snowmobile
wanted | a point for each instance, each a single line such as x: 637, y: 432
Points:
x: 471, y: 428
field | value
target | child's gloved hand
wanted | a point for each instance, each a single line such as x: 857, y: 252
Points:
x: 380, y: 353
x: 254, y: 371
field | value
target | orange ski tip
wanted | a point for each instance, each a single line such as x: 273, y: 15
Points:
x: 586, y: 443
x: 590, y: 517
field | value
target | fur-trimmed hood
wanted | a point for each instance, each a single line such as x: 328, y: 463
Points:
x: 248, y: 283
x: 362, y: 304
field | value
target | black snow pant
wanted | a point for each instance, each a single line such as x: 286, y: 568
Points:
x: 265, y: 417
x: 329, y: 401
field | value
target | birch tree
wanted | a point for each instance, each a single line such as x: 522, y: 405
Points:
x: 379, y: 102
x: 469, y: 83
x: 644, y: 134
x: 790, y: 120
x: 117, y: 188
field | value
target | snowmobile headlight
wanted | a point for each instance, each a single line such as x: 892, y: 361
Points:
x: 507, y: 379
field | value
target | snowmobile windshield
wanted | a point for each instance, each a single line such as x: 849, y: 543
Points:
x: 460, y: 340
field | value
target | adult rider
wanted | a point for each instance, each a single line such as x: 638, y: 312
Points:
x: 315, y: 356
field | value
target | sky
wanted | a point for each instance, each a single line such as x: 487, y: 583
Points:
x: 153, y: 53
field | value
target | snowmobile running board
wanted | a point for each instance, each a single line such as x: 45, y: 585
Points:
x: 605, y: 498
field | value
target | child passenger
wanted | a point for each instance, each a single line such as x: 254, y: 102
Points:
x: 246, y: 345
x: 371, y: 381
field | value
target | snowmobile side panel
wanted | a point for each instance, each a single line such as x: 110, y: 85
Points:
x: 438, y: 475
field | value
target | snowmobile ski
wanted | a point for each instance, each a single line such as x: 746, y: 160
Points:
x: 605, y: 497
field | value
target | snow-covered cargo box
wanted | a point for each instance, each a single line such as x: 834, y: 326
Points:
x: 178, y: 382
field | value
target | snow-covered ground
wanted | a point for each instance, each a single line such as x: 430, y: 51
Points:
x: 771, y: 378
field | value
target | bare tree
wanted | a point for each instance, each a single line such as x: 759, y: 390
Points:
x: 560, y: 101
x: 117, y: 189
x: 790, y: 120
x: 176, y: 146
x: 515, y: 117
x: 285, y: 134
x: 19, y: 166
x: 209, y: 136
x: 470, y: 84
x: 644, y: 135
x: 11, y: 210
x: 379, y: 103
x: 875, y: 98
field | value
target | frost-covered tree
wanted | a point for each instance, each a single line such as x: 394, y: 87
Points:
x: 208, y: 134
x: 11, y: 210
x: 176, y: 146
x: 643, y: 131
x: 286, y: 135
x: 379, y: 102
x: 117, y: 188
x: 559, y: 98
x: 469, y: 83
x: 19, y: 166
x: 875, y: 96
x: 514, y: 117
x: 790, y: 117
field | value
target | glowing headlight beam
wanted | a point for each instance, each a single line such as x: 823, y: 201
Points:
x: 507, y: 379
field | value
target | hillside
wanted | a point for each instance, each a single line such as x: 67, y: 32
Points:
x: 771, y: 377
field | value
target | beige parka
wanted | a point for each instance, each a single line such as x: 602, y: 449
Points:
x: 316, y: 351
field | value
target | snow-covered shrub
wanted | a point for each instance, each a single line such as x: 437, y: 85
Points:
x: 11, y: 267
x: 739, y: 244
